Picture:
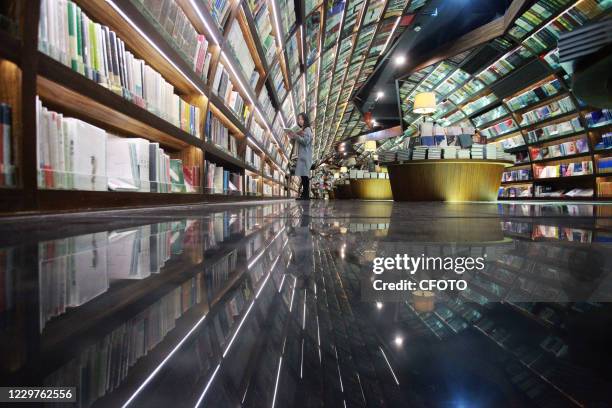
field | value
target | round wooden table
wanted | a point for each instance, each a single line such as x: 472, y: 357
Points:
x: 447, y: 180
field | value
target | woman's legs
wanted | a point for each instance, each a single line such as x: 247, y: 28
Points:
x: 305, y: 187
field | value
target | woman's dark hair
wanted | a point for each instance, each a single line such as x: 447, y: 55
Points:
x: 306, y: 120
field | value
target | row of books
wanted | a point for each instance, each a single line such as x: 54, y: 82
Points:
x: 217, y: 133
x: 604, y: 165
x: 102, y: 367
x: 75, y: 270
x: 604, y: 188
x: 6, y: 145
x: 251, y: 158
x: 535, y: 15
x: 534, y: 95
x: 578, y: 168
x: 552, y: 191
x: 599, y: 118
x: 516, y: 175
x: 175, y: 24
x: 69, y: 36
x: 435, y: 135
x: 217, y: 180
x: 219, y: 10
x: 224, y: 88
x: 505, y: 65
x: 490, y: 116
x: 499, y: 129
x: 554, y: 130
x: 551, y: 110
x: 236, y: 42
x: 580, y: 14
x: 572, y: 147
x: 512, y: 142
x: 605, y: 142
x: 520, y: 191
x: 250, y: 184
x: 74, y: 154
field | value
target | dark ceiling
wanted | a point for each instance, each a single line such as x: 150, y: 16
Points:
x: 453, y: 19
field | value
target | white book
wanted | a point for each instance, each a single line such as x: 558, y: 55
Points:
x: 119, y: 165
x: 90, y: 157
x: 142, y: 153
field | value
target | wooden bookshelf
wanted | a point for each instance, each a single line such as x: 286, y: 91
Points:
x: 67, y: 92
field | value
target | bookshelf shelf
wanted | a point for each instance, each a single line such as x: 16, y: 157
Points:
x: 551, y: 159
x: 507, y: 183
x: 556, y: 138
x: 60, y: 87
x: 169, y: 56
x: 563, y: 178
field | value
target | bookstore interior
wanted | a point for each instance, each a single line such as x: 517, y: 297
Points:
x: 163, y: 241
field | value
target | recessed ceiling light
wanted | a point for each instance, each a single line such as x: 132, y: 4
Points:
x: 398, y: 341
x: 379, y: 305
x: 417, y: 27
x: 379, y: 95
x: 400, y: 60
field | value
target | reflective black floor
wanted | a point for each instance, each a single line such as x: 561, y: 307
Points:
x: 261, y: 306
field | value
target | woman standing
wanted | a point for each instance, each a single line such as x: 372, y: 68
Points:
x: 303, y: 143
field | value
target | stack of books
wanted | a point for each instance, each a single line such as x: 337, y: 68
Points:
x: 419, y: 153
x: 404, y: 154
x: 491, y: 152
x: 478, y: 151
x: 434, y: 153
x: 463, y: 153
x: 388, y: 156
x: 450, y: 152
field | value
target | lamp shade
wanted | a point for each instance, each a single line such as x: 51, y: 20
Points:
x: 370, y: 146
x: 424, y: 103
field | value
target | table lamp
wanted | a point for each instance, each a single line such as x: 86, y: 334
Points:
x: 424, y: 103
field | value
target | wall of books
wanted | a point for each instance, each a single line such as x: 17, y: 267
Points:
x: 520, y: 101
x: 356, y: 34
x: 142, y: 96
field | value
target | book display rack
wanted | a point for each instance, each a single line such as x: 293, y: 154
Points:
x: 521, y: 99
x: 117, y: 104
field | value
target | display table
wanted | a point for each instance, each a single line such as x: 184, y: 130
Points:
x: 343, y: 192
x: 371, y: 189
x: 447, y: 180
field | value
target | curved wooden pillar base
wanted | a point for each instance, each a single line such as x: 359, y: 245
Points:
x: 447, y: 180
x: 371, y: 189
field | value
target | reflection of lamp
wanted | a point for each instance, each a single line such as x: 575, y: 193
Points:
x: 343, y: 169
x: 370, y: 146
x: 424, y: 103
x: 423, y: 300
